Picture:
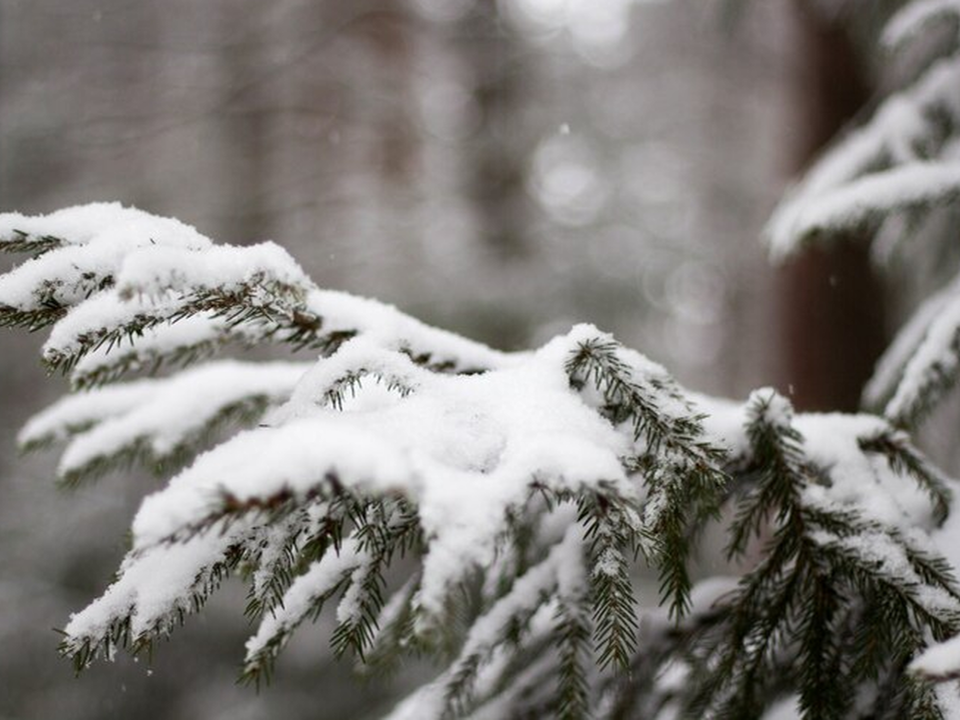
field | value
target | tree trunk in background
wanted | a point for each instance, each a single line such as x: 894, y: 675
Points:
x: 496, y: 164
x: 388, y: 32
x: 832, y: 315
x: 246, y: 144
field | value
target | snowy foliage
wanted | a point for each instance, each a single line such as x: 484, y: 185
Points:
x: 495, y: 510
x: 536, y: 483
x: 880, y: 180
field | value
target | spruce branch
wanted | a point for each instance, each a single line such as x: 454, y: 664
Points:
x: 20, y: 241
x: 906, y: 460
x: 681, y: 467
x: 824, y: 569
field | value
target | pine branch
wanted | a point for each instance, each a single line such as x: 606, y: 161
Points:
x: 169, y: 345
x: 891, y: 164
x: 611, y: 539
x: 682, y: 467
x: 20, y: 241
x: 824, y: 568
x: 385, y: 530
x: 136, y: 610
x: 573, y: 636
x: 159, y: 424
x: 494, y: 628
x: 304, y: 599
x: 909, y: 462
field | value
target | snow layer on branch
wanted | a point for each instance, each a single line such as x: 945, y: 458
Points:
x: 890, y: 366
x: 887, y: 557
x: 463, y: 448
x: 85, y: 323
x: 910, y: 20
x: 390, y: 328
x: 152, y: 586
x: 724, y: 422
x: 69, y: 274
x: 939, y: 661
x: 121, y: 271
x: 529, y: 593
x: 152, y: 346
x: 327, y: 381
x: 942, y: 660
x: 161, y: 413
x: 934, y: 359
x: 777, y: 410
x: 77, y: 412
x: 298, y: 601
x: 849, y: 206
x: 83, y: 224
x: 857, y: 479
x: 894, y: 137
x: 227, y: 268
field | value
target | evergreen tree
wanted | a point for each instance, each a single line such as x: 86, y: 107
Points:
x: 493, y: 509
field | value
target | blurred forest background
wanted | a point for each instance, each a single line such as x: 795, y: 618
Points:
x: 503, y: 169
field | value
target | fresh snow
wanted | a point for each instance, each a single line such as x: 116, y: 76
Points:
x: 876, y: 166
x: 92, y: 256
x: 464, y: 448
x: 935, y: 357
x: 910, y: 20
x: 163, y: 413
x: 889, y: 369
x: 156, y: 270
x: 847, y: 206
x: 939, y: 661
x: 321, y: 578
x: 858, y: 480
x: 152, y: 587
x: 386, y: 326
x: 86, y: 224
x: 154, y: 345
x: 74, y: 413
x: 122, y: 267
x: 467, y: 449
